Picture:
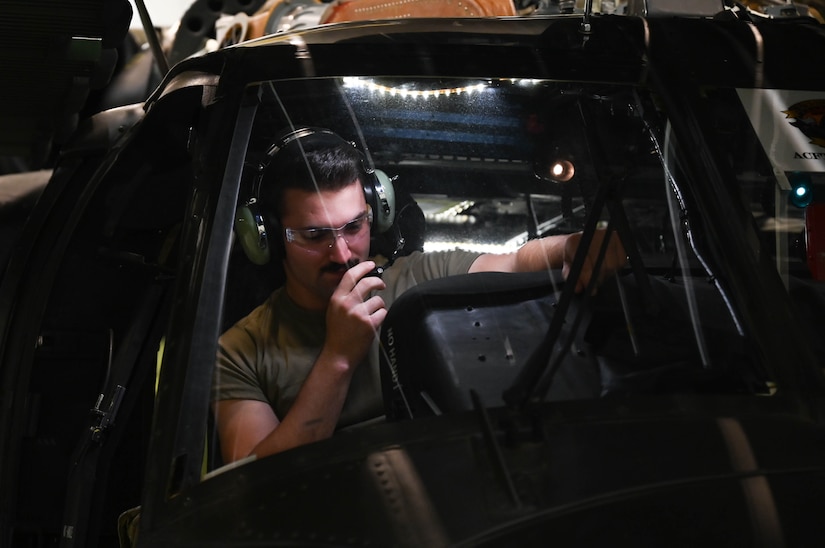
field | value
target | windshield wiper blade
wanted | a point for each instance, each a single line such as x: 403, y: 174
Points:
x: 535, y: 378
x: 524, y: 387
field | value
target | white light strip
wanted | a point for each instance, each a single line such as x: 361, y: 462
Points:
x: 498, y: 249
x: 373, y: 87
x: 525, y: 82
x: 544, y: 227
x: 453, y: 214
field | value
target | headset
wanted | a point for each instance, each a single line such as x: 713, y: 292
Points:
x: 255, y: 227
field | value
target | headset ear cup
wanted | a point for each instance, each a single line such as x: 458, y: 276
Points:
x: 384, y: 198
x: 251, y: 232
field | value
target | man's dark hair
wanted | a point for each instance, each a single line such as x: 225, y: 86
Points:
x: 318, y: 161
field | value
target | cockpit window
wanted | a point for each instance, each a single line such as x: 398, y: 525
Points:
x: 485, y: 166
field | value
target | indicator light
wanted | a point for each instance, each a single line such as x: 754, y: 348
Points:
x: 801, y: 194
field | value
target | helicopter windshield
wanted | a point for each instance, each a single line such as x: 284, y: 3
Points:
x: 486, y: 165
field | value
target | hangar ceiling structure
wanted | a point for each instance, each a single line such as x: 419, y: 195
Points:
x: 57, y: 57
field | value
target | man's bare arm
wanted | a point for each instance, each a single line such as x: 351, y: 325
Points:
x: 242, y: 424
x: 556, y: 252
x: 248, y: 427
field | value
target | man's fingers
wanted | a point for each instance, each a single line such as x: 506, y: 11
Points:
x: 354, y: 275
x: 373, y: 304
x: 378, y: 317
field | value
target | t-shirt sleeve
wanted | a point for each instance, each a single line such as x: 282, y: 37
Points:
x: 235, y: 375
x: 419, y: 267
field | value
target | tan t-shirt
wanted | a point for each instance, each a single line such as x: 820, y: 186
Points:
x: 267, y: 355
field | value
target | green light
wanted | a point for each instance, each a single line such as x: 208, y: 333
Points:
x: 801, y: 194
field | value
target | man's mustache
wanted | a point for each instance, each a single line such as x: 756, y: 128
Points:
x: 339, y: 267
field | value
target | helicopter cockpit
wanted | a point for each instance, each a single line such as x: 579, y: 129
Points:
x: 486, y: 165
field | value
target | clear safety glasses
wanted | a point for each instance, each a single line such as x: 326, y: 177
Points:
x: 320, y: 239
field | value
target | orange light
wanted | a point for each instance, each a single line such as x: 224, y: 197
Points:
x: 562, y: 170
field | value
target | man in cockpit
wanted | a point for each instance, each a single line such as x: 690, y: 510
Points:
x: 305, y: 362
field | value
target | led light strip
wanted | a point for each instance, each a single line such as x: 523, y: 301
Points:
x: 434, y: 246
x: 374, y: 87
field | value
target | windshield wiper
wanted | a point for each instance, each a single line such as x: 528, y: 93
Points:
x: 535, y: 378
x: 530, y: 376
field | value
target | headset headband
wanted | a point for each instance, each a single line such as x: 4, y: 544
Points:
x: 297, y: 135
